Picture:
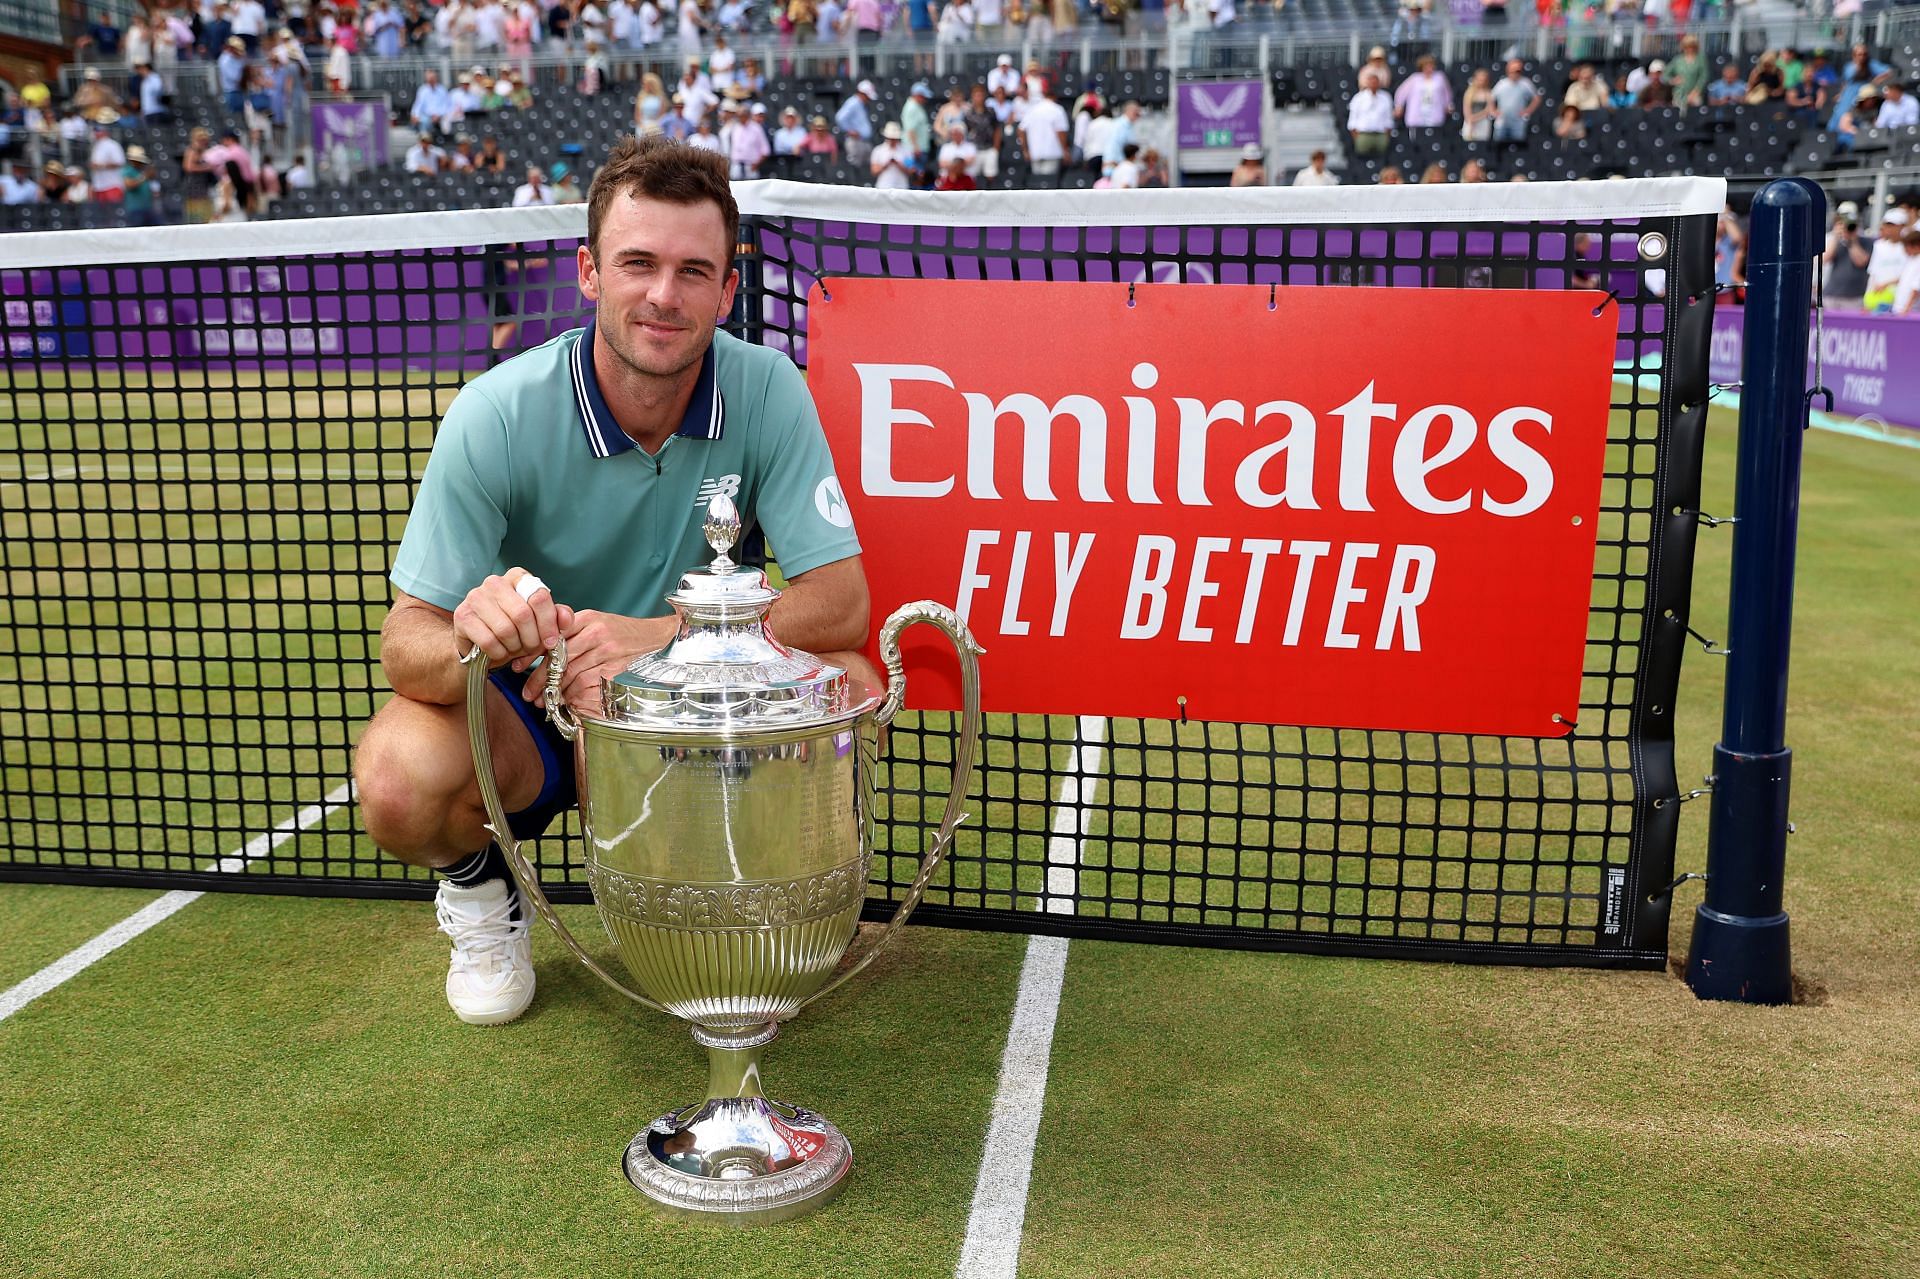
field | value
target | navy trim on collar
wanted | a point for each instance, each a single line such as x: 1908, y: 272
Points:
x: 706, y: 417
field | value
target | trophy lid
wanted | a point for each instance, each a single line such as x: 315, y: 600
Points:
x: 724, y: 669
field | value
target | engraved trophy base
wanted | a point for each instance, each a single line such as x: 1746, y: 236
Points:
x: 738, y: 1158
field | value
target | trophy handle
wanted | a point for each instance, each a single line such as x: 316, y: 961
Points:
x: 968, y: 649
x: 523, y: 872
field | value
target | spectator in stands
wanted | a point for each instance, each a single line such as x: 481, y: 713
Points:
x: 101, y: 36
x: 695, y: 93
x: 1392, y: 177
x: 958, y: 148
x: 196, y: 178
x: 1370, y: 117
x: 339, y: 71
x: 1728, y: 89
x: 534, y: 191
x: 1251, y: 171
x: 232, y: 195
x: 1847, y: 256
x: 1376, y: 67
x: 733, y: 15
x: 566, y: 187
x: 1863, y: 71
x: 432, y: 104
x: 1425, y: 99
x: 1124, y: 130
x: 249, y: 21
x: 106, y: 165
x: 1687, y: 73
x: 385, y: 29
x: 649, y: 104
x: 491, y: 158
x: 891, y: 164
x: 53, y: 182
x: 300, y: 175
x: 423, y: 156
x: 1316, y: 173
x: 1822, y: 83
x: 137, y: 42
x: 153, y: 95
x: 864, y: 20
x: 1476, y: 107
x: 1656, y: 92
x: 1907, y: 291
x: 1585, y: 92
x: 916, y: 125
x: 751, y: 145
x: 1765, y: 83
x: 855, y: 122
x: 721, y: 63
x: 1003, y: 76
x: 1898, y: 109
x: 231, y: 68
x: 1515, y: 99
x: 1624, y: 95
x: 819, y: 140
x: 1887, y: 260
x: 1127, y: 174
x: 1729, y: 254
x: 956, y: 23
x: 1153, y: 170
x: 139, y: 198
x: 418, y: 28
x: 1434, y: 174
x: 1568, y: 125
x: 18, y: 186
x: 1043, y: 133
x: 1861, y: 115
x: 461, y: 158
x: 704, y: 138
x: 214, y: 32
x: 1473, y: 171
x: 791, y: 133
x: 93, y: 96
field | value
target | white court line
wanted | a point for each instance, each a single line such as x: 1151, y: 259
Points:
x: 991, y: 1249
x: 1072, y: 812
x: 84, y: 956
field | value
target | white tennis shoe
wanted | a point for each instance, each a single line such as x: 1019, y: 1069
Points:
x: 490, y: 980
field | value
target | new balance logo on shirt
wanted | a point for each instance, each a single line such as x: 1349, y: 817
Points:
x: 717, y: 486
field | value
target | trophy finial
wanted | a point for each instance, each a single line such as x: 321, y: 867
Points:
x: 722, y: 530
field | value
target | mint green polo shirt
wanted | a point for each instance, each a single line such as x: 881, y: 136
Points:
x: 530, y: 469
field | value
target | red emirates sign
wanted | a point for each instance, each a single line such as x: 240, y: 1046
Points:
x: 1325, y: 506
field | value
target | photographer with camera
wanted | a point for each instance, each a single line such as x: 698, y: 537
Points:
x: 1847, y: 255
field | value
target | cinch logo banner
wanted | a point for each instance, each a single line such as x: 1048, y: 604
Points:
x: 1327, y: 506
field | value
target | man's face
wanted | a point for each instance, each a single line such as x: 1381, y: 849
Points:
x: 663, y: 280
x: 433, y: 78
x: 1513, y: 70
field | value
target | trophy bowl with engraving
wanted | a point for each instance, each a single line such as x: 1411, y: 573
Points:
x: 726, y: 791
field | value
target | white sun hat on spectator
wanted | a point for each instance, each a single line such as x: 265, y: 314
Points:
x: 865, y: 89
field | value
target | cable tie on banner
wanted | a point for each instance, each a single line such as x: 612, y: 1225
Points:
x: 1182, y: 701
x: 1612, y: 297
x: 824, y: 295
x: 1273, y: 303
x: 1668, y: 890
x: 1709, y: 645
x: 1130, y: 289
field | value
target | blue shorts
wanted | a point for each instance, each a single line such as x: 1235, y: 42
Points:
x: 557, y: 791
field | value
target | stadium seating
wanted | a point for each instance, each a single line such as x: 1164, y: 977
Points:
x: 1744, y: 141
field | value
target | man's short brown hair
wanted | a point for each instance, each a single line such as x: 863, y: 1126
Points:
x: 658, y: 168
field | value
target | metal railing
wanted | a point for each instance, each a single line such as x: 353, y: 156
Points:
x: 1261, y: 44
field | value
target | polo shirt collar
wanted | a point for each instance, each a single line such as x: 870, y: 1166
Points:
x: 706, y: 412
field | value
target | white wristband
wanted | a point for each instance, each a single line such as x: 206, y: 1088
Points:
x: 527, y: 585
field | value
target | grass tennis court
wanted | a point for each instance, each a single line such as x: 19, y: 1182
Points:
x: 273, y: 1086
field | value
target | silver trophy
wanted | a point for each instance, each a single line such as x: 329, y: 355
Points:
x: 727, y: 794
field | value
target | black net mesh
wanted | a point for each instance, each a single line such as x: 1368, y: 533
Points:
x: 207, y: 465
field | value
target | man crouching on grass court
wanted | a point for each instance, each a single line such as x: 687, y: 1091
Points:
x: 564, y: 497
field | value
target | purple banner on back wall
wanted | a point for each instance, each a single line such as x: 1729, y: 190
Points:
x: 360, y: 127
x: 1871, y: 363
x: 1220, y: 113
